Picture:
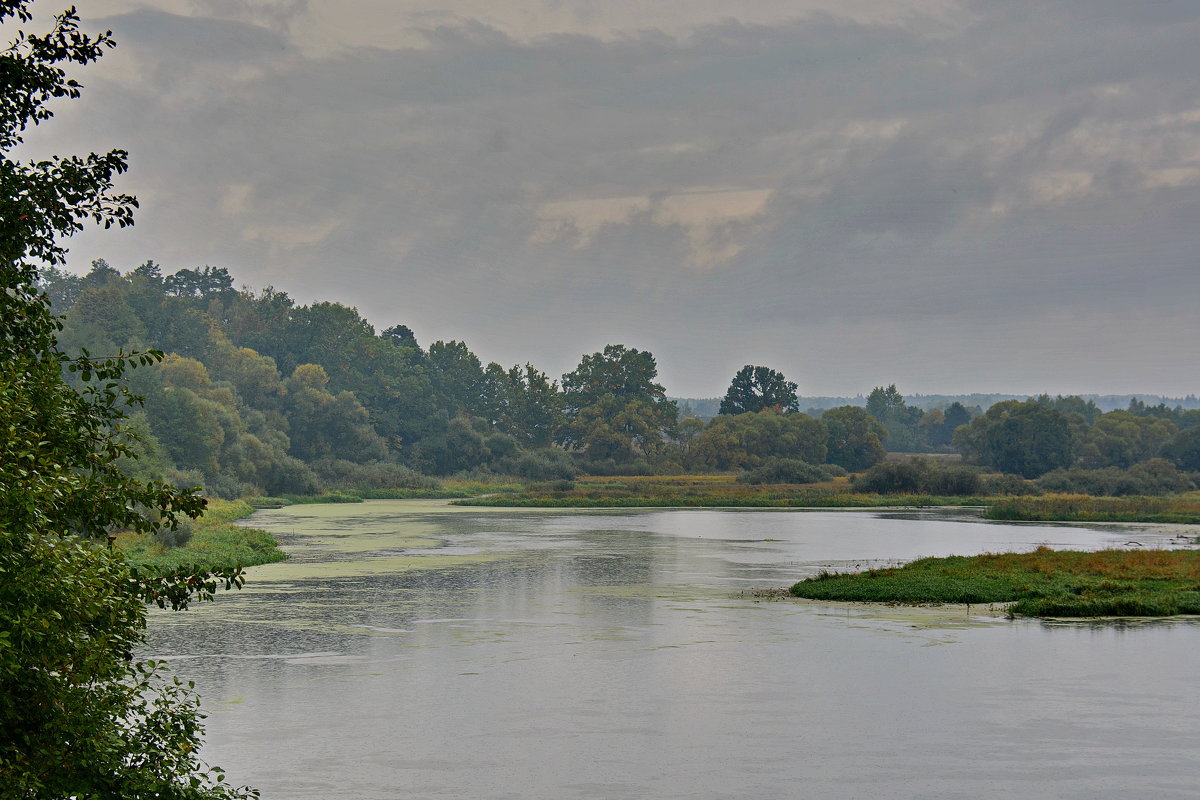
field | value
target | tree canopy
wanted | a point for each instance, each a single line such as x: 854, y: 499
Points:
x: 613, y: 409
x: 757, y: 388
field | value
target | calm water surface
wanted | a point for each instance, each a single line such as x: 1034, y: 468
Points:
x: 411, y: 649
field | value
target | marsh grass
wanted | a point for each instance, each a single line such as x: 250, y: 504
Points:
x: 1086, y: 508
x: 216, y: 543
x: 1042, y: 583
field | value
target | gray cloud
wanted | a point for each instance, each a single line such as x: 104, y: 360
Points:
x: 1003, y: 197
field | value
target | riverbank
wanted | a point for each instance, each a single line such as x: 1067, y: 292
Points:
x: 702, y: 491
x: 209, y: 544
x: 448, y: 490
x: 724, y: 491
x: 1041, y: 583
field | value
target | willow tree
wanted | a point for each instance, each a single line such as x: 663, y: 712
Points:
x: 80, y: 717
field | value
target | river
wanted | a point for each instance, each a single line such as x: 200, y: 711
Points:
x: 411, y: 649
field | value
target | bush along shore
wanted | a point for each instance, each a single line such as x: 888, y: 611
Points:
x: 209, y: 544
x: 1041, y: 583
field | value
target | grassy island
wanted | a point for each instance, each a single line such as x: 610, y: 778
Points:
x: 1042, y: 583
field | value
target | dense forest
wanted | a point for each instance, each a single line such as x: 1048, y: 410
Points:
x: 259, y: 394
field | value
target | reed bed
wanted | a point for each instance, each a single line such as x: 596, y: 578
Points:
x: 1086, y: 508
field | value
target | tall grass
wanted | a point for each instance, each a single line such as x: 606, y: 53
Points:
x: 1085, y: 508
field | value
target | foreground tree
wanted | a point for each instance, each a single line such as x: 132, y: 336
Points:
x: 79, y: 717
x: 756, y: 389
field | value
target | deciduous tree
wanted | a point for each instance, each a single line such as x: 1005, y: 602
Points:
x: 757, y: 388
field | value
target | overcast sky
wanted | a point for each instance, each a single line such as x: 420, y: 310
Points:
x: 950, y: 196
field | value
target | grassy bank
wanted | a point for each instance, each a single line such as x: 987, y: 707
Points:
x: 1085, y: 508
x: 215, y: 543
x: 1045, y: 582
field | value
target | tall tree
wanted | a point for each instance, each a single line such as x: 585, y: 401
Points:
x: 613, y: 409
x: 900, y: 419
x: 758, y: 388
x: 78, y: 716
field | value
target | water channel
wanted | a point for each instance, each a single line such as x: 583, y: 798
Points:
x: 411, y: 649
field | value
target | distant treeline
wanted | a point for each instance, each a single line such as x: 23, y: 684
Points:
x: 707, y: 407
x: 261, y: 395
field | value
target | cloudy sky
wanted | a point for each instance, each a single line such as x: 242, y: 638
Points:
x: 951, y: 195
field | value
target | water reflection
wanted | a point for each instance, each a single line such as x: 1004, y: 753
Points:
x: 411, y: 650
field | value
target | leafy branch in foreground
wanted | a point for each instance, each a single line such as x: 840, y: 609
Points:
x: 79, y: 716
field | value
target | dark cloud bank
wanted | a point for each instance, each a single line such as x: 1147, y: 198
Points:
x: 1004, y: 199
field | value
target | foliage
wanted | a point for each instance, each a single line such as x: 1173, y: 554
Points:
x: 790, y: 470
x: 78, y: 716
x: 1184, y: 449
x: 919, y: 475
x: 1121, y: 439
x: 1026, y: 439
x: 1044, y: 582
x: 899, y: 418
x: 612, y: 407
x: 995, y: 485
x: 1156, y: 476
x: 855, y: 438
x: 755, y: 389
x: 746, y: 441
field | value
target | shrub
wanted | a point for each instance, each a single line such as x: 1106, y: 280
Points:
x: 341, y: 474
x: 180, y: 536
x: 918, y: 475
x: 957, y: 481
x: 541, y: 465
x: 890, y: 477
x: 1009, y: 485
x: 561, y: 485
x: 1153, y: 477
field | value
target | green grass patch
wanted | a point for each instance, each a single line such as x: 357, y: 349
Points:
x: 216, y: 543
x: 1042, y: 583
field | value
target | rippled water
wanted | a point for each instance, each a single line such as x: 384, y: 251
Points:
x: 412, y: 649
